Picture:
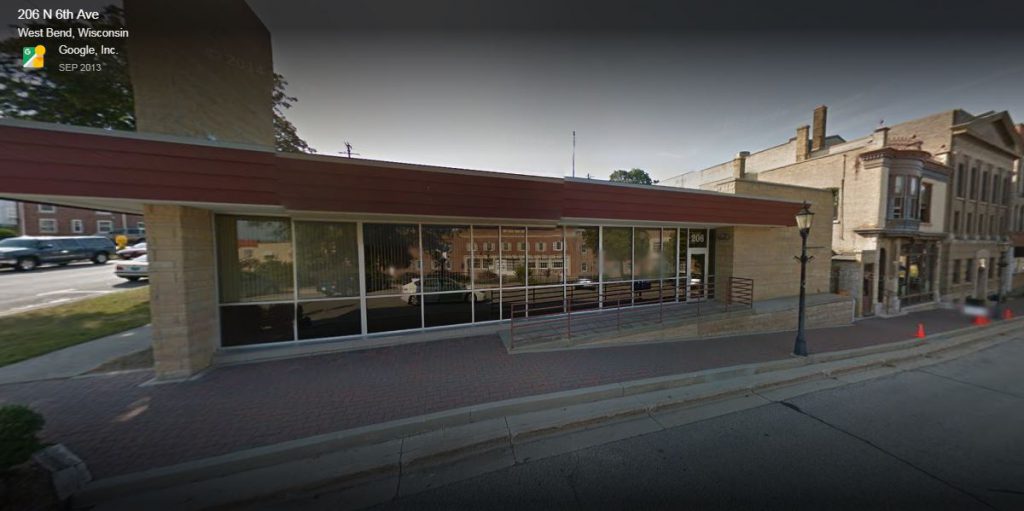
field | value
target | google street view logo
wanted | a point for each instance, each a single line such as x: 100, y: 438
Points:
x: 32, y: 56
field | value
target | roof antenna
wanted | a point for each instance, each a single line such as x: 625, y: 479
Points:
x: 573, y: 153
x: 348, y: 150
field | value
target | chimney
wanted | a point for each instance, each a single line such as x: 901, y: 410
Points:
x: 881, y: 138
x: 739, y: 165
x: 820, y: 117
x: 801, y: 142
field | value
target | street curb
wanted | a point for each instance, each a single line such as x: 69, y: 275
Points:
x: 533, y: 416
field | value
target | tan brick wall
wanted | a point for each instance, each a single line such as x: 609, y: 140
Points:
x: 933, y: 131
x: 182, y: 277
x: 212, y: 80
x: 742, y: 321
x: 766, y: 253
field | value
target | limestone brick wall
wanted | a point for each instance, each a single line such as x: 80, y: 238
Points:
x: 766, y: 254
x: 743, y: 321
x: 183, y: 299
x: 773, y: 157
x: 933, y: 131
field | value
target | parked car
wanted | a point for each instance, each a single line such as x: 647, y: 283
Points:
x: 132, y: 251
x: 133, y: 270
x: 134, y: 234
x: 411, y: 291
x: 26, y: 253
x: 586, y: 283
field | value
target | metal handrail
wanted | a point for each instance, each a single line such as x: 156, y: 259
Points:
x: 740, y: 290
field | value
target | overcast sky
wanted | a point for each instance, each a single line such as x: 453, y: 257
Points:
x: 666, y: 103
x: 664, y: 86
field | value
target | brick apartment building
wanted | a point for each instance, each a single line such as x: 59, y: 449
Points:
x: 36, y: 219
x: 8, y: 214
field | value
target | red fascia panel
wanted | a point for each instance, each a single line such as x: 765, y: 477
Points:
x: 595, y: 200
x: 314, y: 185
x: 50, y: 162
x: 68, y: 163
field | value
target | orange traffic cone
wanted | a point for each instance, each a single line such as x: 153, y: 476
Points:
x: 920, y: 330
x: 1007, y: 313
x: 979, y: 320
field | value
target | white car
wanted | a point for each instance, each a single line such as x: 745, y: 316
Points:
x: 134, y: 269
x: 411, y: 291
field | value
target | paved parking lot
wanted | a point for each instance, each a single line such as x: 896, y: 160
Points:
x: 51, y: 285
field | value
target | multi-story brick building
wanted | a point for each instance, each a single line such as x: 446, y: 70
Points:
x: 921, y: 210
x: 36, y: 219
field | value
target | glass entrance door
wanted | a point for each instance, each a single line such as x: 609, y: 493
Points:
x: 697, y: 276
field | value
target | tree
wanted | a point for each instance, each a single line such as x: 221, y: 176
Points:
x: 97, y: 99
x: 286, y: 137
x: 102, y: 99
x: 634, y: 176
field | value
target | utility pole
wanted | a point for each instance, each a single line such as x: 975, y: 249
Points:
x: 573, y: 153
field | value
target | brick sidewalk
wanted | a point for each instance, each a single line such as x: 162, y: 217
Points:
x: 118, y: 427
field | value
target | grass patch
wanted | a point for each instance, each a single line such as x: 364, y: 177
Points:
x: 33, y: 333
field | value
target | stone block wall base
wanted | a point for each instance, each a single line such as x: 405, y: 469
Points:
x: 839, y: 313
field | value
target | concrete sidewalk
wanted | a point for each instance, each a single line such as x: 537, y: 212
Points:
x: 429, y: 451
x: 78, y: 359
x: 119, y: 427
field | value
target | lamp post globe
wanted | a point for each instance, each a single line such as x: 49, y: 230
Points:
x: 804, y: 219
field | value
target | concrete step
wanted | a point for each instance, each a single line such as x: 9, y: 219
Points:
x: 426, y: 442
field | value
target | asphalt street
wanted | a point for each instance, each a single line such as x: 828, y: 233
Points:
x: 946, y: 436
x: 51, y: 285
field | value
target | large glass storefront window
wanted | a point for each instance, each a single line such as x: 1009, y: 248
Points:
x: 327, y: 259
x: 254, y: 259
x: 486, y: 273
x: 648, y: 252
x: 254, y: 262
x: 916, y: 270
x: 282, y: 280
x: 392, y: 256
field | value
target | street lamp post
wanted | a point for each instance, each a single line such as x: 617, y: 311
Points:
x: 804, y: 218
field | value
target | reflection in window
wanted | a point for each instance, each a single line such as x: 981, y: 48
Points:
x: 392, y: 256
x: 486, y: 259
x: 329, y: 318
x: 447, y: 251
x: 447, y: 309
x: 648, y: 253
x: 256, y: 324
x: 546, y: 265
x: 617, y: 253
x: 546, y: 300
x: 513, y: 264
x: 392, y: 313
x: 486, y: 307
x: 510, y: 297
x: 254, y: 259
x: 327, y: 259
x: 581, y: 255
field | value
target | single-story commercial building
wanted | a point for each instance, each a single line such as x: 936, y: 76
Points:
x: 253, y: 247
